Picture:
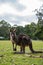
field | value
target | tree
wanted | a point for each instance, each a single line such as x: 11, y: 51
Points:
x: 20, y: 29
x: 33, y: 30
x: 4, y: 29
x: 39, y: 31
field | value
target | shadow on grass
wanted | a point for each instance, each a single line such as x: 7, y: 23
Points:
x: 20, y: 53
x: 27, y: 53
x: 31, y: 55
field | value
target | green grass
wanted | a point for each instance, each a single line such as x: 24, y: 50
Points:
x: 7, y: 56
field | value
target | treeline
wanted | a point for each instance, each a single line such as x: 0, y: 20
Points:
x: 35, y: 31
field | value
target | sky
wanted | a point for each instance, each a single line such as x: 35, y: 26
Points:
x: 19, y: 12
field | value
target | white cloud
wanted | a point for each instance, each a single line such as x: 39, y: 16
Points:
x: 41, y: 0
x: 6, y: 8
x: 23, y: 23
x: 19, y: 14
x: 30, y: 5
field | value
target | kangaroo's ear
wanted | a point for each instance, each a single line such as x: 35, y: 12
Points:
x: 14, y: 30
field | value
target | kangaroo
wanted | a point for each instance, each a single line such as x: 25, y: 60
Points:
x: 22, y: 40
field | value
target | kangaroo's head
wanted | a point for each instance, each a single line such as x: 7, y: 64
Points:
x: 13, y: 33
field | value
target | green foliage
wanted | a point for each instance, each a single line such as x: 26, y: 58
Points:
x: 39, y: 33
x: 35, y: 31
x: 4, y: 29
x: 27, y: 30
x: 20, y: 29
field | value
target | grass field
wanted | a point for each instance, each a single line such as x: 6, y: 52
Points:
x: 8, y: 57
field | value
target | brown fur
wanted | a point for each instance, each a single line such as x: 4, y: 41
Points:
x: 22, y: 40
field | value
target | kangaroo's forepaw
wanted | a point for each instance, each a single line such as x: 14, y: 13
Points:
x: 15, y: 49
